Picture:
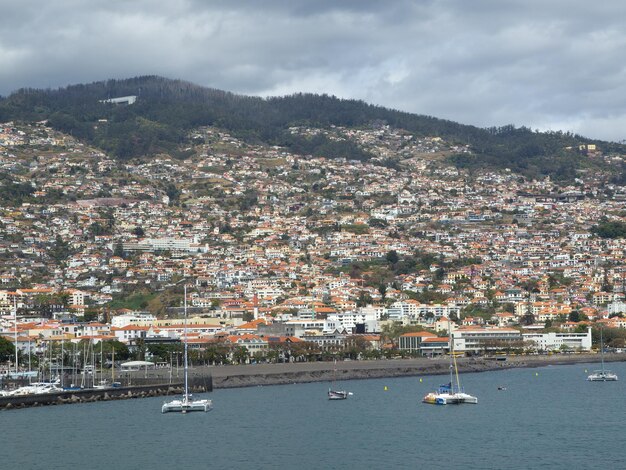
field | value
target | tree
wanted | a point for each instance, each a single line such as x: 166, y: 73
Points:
x: 364, y: 299
x: 60, y: 251
x: 240, y: 354
x: 382, y: 289
x: 138, y: 231
x: 392, y: 257
x: 574, y: 316
x: 121, y: 350
x: 7, y: 350
x: 118, y: 250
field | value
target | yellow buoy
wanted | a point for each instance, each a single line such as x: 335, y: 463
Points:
x: 536, y: 374
x: 420, y: 380
x: 585, y: 371
x: 385, y: 388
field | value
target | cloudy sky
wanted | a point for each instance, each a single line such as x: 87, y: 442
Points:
x: 545, y: 64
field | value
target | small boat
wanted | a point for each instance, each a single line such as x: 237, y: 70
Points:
x: 449, y: 394
x: 602, y: 375
x: 336, y: 394
x: 502, y: 388
x: 186, y: 403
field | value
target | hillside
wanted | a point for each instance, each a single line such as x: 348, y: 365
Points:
x: 166, y: 110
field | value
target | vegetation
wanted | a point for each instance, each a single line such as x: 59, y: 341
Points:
x: 160, y: 120
x: 13, y: 193
x: 610, y: 229
x: 133, y: 301
x: 7, y: 350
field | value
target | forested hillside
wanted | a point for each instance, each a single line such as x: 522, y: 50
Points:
x: 166, y: 110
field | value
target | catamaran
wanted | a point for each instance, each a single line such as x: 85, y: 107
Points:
x: 451, y: 393
x: 602, y: 375
x: 186, y: 403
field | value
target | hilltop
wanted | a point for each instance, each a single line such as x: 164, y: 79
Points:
x: 166, y: 111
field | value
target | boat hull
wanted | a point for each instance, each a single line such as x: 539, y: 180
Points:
x: 450, y: 399
x: 184, y: 406
x: 603, y: 376
x: 337, y: 394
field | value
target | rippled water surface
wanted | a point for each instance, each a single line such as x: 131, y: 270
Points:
x: 549, y: 417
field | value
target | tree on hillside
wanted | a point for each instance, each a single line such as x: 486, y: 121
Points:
x: 7, y: 350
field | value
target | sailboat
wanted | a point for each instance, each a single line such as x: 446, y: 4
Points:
x: 186, y: 403
x: 451, y: 393
x: 336, y: 394
x: 602, y: 375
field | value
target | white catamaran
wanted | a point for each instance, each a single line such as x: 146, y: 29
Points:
x: 450, y: 393
x: 186, y: 403
x: 602, y: 375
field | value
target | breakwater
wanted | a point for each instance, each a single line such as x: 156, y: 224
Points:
x: 196, y: 385
x: 304, y: 372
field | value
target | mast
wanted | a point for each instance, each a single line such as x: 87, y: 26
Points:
x: 62, y: 362
x: 101, y: 360
x: 452, y: 360
x: 601, y: 350
x: 186, y: 397
x: 15, y: 332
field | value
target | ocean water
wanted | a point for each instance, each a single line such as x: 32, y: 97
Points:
x: 549, y: 417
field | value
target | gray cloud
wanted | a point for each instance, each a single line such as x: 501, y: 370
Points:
x: 548, y: 65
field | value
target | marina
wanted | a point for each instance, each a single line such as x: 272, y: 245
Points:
x: 49, y: 394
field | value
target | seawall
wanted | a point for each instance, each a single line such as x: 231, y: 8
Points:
x: 278, y: 374
x: 196, y: 385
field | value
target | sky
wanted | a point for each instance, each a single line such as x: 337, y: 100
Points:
x: 544, y: 64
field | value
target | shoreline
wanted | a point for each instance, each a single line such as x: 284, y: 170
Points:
x: 306, y: 372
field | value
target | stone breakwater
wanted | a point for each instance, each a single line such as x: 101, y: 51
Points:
x: 279, y: 374
x: 197, y: 385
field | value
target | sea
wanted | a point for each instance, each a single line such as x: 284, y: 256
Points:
x: 548, y: 417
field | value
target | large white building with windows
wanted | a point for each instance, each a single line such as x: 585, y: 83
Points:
x: 477, y: 340
x: 554, y: 341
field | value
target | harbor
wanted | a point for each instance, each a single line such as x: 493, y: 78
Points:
x: 163, y: 382
x: 288, y: 425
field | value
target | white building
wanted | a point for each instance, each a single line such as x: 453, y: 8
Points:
x: 350, y: 320
x: 135, y: 318
x: 554, y: 341
x: 484, y: 339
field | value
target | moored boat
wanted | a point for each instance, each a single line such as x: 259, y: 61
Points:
x: 448, y: 394
x: 186, y: 403
x: 337, y: 394
x: 602, y: 375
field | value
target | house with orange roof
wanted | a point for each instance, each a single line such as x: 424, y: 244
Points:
x: 504, y: 318
x: 130, y: 333
x: 253, y: 343
x: 251, y: 326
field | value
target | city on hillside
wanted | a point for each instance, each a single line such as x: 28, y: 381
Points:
x: 289, y: 257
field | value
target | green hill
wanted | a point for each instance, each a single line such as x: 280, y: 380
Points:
x: 165, y: 111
